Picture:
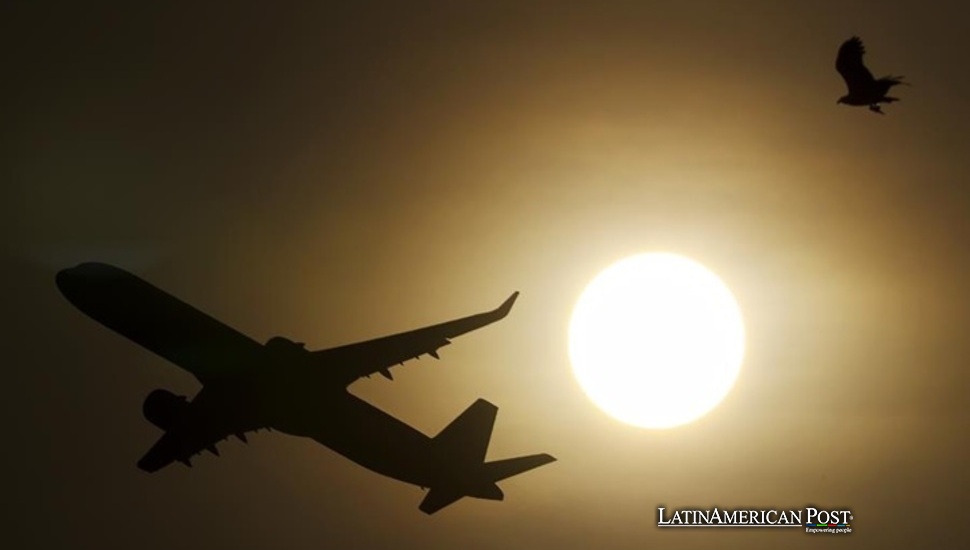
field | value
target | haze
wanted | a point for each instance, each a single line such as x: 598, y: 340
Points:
x: 333, y: 174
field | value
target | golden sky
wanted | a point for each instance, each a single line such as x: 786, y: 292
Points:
x: 334, y: 174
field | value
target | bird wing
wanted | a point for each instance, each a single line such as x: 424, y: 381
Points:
x: 850, y: 66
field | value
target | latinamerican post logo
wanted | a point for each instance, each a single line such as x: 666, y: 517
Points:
x: 814, y: 520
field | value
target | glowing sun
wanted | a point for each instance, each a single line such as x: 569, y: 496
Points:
x: 656, y: 340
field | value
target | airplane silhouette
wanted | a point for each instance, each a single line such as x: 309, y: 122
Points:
x: 281, y: 385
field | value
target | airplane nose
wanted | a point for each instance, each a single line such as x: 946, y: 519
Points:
x: 93, y: 285
x: 64, y: 279
x: 74, y: 281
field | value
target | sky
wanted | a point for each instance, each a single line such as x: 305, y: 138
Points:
x: 334, y: 173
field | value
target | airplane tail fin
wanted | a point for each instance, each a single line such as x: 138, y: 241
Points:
x: 466, y: 439
x: 462, y: 446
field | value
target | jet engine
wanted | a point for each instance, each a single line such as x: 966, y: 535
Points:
x: 164, y: 409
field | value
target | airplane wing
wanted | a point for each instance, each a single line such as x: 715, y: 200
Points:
x: 172, y: 447
x: 182, y: 446
x: 353, y: 361
x: 200, y: 430
x: 158, y: 321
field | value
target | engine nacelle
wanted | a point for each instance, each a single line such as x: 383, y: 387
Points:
x: 164, y: 409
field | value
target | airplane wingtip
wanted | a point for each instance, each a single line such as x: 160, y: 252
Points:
x: 507, y: 304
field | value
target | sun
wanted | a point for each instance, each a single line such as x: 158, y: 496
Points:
x: 656, y: 340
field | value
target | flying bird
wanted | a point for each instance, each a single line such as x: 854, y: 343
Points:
x: 863, y: 88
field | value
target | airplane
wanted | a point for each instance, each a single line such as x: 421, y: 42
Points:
x: 281, y: 385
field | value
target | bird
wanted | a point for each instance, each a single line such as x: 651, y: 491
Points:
x: 863, y: 88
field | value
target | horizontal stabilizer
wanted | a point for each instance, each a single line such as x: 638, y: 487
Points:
x: 438, y: 499
x: 463, y: 443
x: 501, y: 469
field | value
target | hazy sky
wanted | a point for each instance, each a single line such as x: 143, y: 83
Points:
x: 334, y: 174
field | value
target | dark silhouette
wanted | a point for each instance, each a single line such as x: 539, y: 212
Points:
x: 247, y: 386
x: 863, y: 88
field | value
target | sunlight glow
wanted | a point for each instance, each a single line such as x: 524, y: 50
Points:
x: 656, y: 340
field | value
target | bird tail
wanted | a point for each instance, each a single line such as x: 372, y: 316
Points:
x: 894, y: 80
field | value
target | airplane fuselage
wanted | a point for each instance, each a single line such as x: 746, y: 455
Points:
x: 336, y: 418
x: 364, y: 434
